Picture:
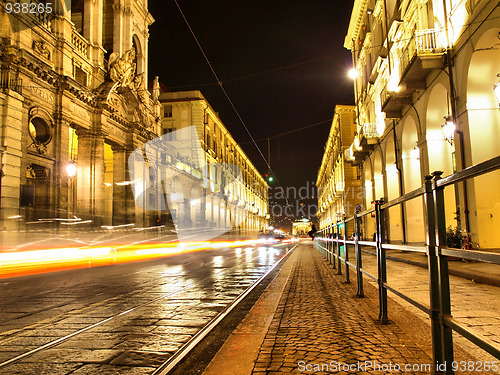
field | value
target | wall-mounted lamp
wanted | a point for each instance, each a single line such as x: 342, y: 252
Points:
x: 449, y: 129
x: 496, y: 89
x: 415, y: 153
x: 71, y: 169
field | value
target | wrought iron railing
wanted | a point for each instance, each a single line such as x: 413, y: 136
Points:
x: 329, y: 241
x: 370, y: 130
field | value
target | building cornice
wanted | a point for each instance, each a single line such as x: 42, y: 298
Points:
x: 355, y: 23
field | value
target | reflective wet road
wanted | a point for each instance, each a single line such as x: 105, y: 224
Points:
x: 120, y: 319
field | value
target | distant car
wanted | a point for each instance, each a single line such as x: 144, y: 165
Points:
x: 272, y: 236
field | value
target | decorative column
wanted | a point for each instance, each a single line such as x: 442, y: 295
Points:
x: 90, y: 176
x: 118, y: 28
x: 120, y: 175
x: 11, y: 125
x: 61, y: 180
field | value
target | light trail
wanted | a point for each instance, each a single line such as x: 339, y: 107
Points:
x: 30, y: 262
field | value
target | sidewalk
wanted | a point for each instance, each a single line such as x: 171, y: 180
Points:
x: 481, y: 272
x: 317, y: 326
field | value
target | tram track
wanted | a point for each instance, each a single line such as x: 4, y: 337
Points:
x: 174, y: 295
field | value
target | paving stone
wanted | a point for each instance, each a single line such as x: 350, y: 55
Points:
x: 317, y: 322
x: 140, y: 358
x: 112, y: 370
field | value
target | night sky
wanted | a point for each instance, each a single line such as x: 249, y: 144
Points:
x: 281, y: 62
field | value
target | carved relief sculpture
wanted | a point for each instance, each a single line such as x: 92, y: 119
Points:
x: 122, y: 69
x: 41, y: 48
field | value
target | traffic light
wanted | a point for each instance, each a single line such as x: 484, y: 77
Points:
x: 269, y: 177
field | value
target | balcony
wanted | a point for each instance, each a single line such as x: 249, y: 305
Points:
x: 425, y: 51
x: 10, y: 81
x: 393, y: 102
x: 356, y: 153
x: 80, y: 43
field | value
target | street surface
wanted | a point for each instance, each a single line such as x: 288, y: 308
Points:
x: 125, y: 318
x: 473, y: 304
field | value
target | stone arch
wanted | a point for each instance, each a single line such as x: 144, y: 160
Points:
x: 176, y: 200
x: 196, y: 205
x: 483, y: 117
x: 139, y: 55
x: 410, y: 155
x: 440, y: 152
x: 368, y: 188
x: 378, y: 175
x: 392, y: 176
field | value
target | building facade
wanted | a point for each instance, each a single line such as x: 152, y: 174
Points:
x: 301, y: 227
x: 338, y: 182
x: 74, y: 105
x: 426, y: 72
x: 249, y: 193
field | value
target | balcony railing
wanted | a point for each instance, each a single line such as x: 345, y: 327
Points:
x: 430, y: 41
x: 370, y: 130
x: 9, y: 81
x: 424, y: 43
x: 42, y: 17
x: 81, y: 45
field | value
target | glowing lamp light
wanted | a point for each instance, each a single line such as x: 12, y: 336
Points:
x: 449, y: 129
x: 353, y: 73
x: 71, y: 170
x: 496, y: 89
x: 415, y: 153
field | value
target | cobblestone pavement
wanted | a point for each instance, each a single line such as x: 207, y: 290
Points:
x: 319, y: 328
x: 475, y: 305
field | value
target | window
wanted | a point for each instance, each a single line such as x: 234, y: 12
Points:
x: 167, y: 111
x: 168, y: 132
x: 80, y: 76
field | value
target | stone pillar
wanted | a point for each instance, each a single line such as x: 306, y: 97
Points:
x: 127, y: 29
x: 11, y: 125
x: 119, y: 191
x: 118, y: 28
x: 61, y: 181
x: 90, y: 176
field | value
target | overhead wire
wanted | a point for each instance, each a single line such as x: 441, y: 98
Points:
x: 220, y: 83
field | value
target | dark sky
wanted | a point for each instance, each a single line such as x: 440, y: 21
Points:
x: 245, y: 37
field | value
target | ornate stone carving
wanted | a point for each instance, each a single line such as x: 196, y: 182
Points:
x: 142, y: 93
x: 39, y: 147
x: 41, y: 48
x: 156, y: 89
x: 122, y: 69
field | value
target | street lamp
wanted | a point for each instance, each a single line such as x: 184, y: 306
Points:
x: 449, y: 129
x: 496, y: 89
x: 353, y: 73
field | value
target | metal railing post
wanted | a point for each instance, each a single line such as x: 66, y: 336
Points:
x: 346, y: 254
x: 328, y: 244
x: 333, y: 249
x: 382, y: 266
x: 357, y: 250
x: 434, y: 290
x: 444, y: 277
x: 339, y: 262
